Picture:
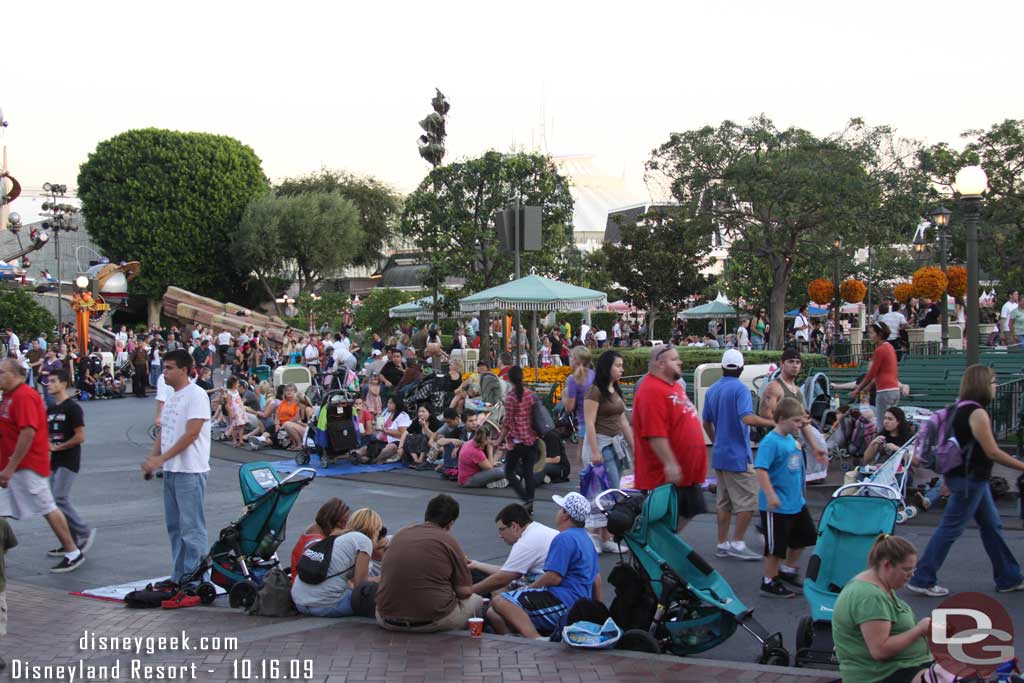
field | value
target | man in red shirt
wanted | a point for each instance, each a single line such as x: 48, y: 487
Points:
x: 669, y: 440
x: 25, y: 461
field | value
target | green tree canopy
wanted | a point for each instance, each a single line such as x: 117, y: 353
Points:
x: 19, y: 311
x: 378, y: 205
x: 646, y: 262
x: 307, y: 236
x: 372, y: 316
x: 787, y: 193
x: 172, y: 201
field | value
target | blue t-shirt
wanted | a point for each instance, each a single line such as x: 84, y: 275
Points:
x: 784, y: 461
x: 725, y: 405
x: 572, y: 556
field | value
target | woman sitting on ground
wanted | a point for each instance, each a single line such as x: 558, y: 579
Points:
x: 477, y: 468
x: 875, y: 633
x: 332, y: 515
x: 896, y: 431
x: 416, y: 441
x: 350, y: 566
x: 289, y: 418
x: 393, y: 424
x: 265, y: 415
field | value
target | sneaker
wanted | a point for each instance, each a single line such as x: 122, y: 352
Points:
x: 917, y: 499
x: 84, y: 544
x: 56, y: 552
x: 935, y: 591
x: 1016, y: 587
x: 498, y: 484
x: 610, y: 546
x: 722, y: 549
x: 792, y: 578
x: 66, y: 565
x: 775, y: 589
x: 740, y: 551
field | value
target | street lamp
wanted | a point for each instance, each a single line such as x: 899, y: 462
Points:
x: 919, y: 247
x: 836, y: 302
x: 940, y: 219
x: 971, y: 182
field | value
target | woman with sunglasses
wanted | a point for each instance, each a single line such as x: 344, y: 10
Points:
x: 758, y: 329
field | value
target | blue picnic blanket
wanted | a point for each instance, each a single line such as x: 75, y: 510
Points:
x: 340, y: 469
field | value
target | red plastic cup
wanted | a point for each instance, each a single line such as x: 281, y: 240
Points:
x: 476, y: 627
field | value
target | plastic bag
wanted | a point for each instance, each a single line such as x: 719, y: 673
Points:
x: 594, y: 480
x: 587, y: 634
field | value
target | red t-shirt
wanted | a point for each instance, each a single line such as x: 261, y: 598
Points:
x: 884, y: 369
x: 22, y: 408
x: 661, y: 409
x: 470, y: 457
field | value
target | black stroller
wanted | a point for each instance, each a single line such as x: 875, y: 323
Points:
x: 332, y: 433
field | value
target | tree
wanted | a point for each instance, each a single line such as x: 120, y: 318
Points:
x: 787, y: 194
x: 646, y: 262
x: 450, y: 218
x: 325, y: 308
x: 171, y: 200
x: 379, y: 206
x: 310, y: 236
x: 373, y: 314
x: 20, y: 312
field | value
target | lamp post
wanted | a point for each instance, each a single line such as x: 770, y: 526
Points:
x: 919, y: 247
x: 836, y: 303
x: 940, y: 219
x: 971, y: 182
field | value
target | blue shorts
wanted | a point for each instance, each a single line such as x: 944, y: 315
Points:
x: 546, y: 612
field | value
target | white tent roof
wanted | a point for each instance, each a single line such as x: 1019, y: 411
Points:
x: 594, y: 192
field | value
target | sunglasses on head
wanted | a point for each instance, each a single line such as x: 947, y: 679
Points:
x: 665, y: 349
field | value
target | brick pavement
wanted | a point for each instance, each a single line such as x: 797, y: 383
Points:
x: 45, y: 627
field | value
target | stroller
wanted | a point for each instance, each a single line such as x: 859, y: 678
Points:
x: 889, y: 479
x: 669, y: 598
x: 565, y: 423
x: 817, y: 396
x: 333, y: 433
x: 246, y: 549
x: 846, y: 532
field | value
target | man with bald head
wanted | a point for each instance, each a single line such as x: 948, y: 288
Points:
x: 25, y: 461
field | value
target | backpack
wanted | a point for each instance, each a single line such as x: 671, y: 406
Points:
x: 315, y: 562
x: 541, y: 419
x: 148, y: 597
x: 635, y: 603
x: 937, y: 447
x: 274, y: 598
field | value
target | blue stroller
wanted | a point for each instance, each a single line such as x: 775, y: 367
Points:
x: 246, y: 549
x: 846, y: 532
x: 691, y: 607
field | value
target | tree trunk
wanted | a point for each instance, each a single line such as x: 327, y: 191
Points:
x: 781, y: 271
x: 485, y: 338
x: 153, y: 307
x: 652, y: 315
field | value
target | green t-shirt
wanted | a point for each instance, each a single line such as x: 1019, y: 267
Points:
x: 1017, y: 321
x: 859, y: 602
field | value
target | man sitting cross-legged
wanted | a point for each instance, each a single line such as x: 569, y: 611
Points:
x: 570, y: 573
x: 530, y: 542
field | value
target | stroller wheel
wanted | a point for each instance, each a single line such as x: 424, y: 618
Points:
x: 575, y: 438
x: 243, y: 594
x: 910, y: 511
x: 804, y: 633
x: 207, y: 592
x: 901, y: 517
x: 775, y: 656
x: 638, y: 640
x: 302, y: 458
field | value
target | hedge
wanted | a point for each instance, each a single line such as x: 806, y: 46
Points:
x: 635, y: 360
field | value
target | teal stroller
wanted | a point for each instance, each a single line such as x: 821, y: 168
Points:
x: 246, y: 549
x: 848, y: 528
x: 668, y: 598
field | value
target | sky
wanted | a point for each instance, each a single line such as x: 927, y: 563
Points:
x: 343, y: 84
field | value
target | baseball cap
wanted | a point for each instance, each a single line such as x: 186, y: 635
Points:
x: 732, y: 359
x: 575, y: 505
x: 790, y: 353
x: 375, y: 352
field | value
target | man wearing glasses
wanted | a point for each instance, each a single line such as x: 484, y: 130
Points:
x: 530, y: 541
x: 669, y: 440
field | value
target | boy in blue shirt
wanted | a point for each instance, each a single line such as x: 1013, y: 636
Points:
x: 786, y: 523
x: 570, y: 573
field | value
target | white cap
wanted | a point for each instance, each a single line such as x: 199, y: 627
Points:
x: 375, y: 352
x: 732, y: 359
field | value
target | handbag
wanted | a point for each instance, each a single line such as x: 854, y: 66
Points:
x: 594, y: 480
x: 541, y: 419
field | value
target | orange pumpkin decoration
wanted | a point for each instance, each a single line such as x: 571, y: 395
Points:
x: 956, y: 277
x: 930, y: 282
x: 903, y: 292
x: 821, y: 291
x: 853, y: 291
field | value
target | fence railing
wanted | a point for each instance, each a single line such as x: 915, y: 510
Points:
x: 1007, y: 407
x: 844, y: 353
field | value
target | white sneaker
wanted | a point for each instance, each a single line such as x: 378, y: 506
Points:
x: 740, y: 551
x: 597, y: 544
x: 610, y: 546
x: 722, y: 549
x: 935, y: 591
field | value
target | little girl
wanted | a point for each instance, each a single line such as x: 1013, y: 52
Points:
x: 545, y: 353
x: 364, y: 421
x: 236, y: 412
x: 373, y: 402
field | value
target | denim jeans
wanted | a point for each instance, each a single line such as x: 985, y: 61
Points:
x: 611, y: 466
x: 154, y: 374
x: 968, y: 499
x: 185, y: 516
x: 342, y: 608
x: 756, y: 342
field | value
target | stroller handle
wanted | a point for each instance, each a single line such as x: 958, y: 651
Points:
x: 890, y: 491
x: 600, y: 505
x: 302, y: 470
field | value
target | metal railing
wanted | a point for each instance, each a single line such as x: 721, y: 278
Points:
x: 1007, y: 408
x: 844, y: 353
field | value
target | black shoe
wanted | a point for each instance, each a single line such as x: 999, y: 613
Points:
x: 56, y: 552
x: 793, y: 579
x: 66, y: 565
x: 775, y: 589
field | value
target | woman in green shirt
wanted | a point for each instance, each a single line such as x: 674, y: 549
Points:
x: 876, y: 636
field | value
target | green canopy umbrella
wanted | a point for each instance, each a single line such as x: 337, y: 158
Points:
x: 534, y: 293
x: 712, y: 309
x: 419, y: 309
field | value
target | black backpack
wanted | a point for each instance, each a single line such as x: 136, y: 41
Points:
x: 635, y: 603
x: 315, y: 562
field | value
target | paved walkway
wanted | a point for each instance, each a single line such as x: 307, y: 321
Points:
x: 46, y: 628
